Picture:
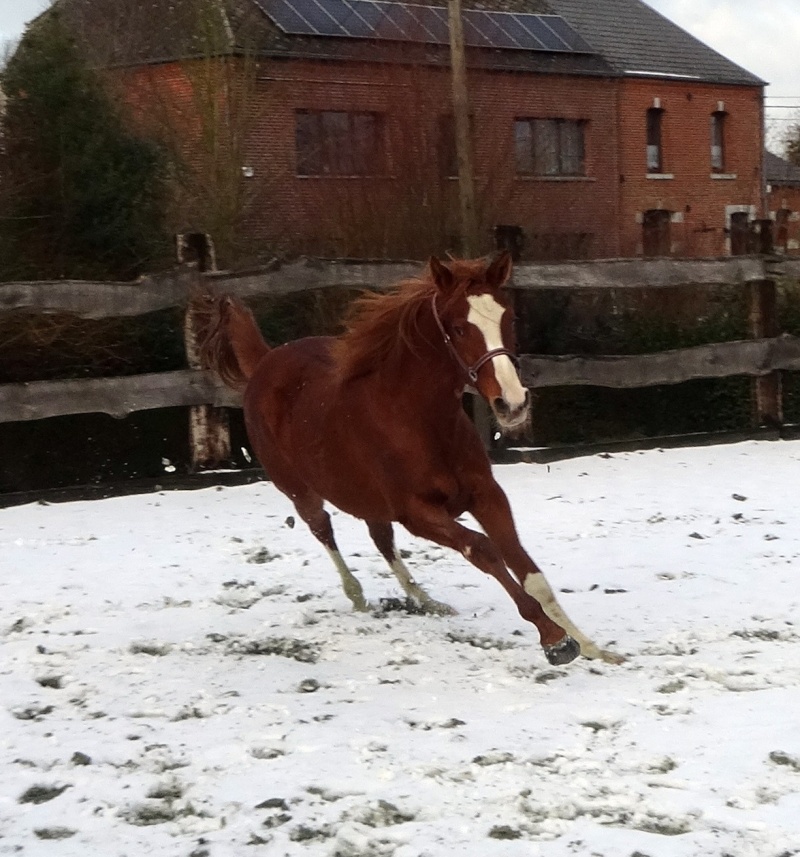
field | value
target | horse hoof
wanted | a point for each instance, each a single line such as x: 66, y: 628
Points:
x: 438, y: 608
x: 562, y: 652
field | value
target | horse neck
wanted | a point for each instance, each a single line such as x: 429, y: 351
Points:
x: 425, y: 377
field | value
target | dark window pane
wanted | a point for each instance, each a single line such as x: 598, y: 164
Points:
x: 308, y: 139
x: 545, y: 147
x: 572, y: 148
x: 523, y: 146
x: 718, y: 142
x: 337, y: 143
x: 654, y: 153
x: 367, y: 140
x: 336, y: 138
x: 550, y: 147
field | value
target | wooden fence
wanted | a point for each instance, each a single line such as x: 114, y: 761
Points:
x: 763, y: 356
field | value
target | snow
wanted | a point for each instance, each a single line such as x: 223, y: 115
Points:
x: 180, y: 674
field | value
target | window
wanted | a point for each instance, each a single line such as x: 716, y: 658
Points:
x: 655, y: 155
x: 336, y: 143
x: 550, y: 147
x: 718, y: 141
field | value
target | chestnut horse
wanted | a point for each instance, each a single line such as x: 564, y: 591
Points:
x: 372, y: 422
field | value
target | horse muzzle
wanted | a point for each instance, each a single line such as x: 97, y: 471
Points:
x: 511, y: 418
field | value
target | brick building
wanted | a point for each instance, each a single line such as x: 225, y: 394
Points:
x: 783, y: 195
x: 599, y: 129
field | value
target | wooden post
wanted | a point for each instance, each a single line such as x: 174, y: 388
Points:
x: 209, y: 427
x: 466, y: 184
x: 767, y: 395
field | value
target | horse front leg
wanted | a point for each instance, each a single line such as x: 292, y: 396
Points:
x: 434, y: 523
x: 492, y: 511
x: 382, y: 534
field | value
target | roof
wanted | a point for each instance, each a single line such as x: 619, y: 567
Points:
x: 627, y: 37
x: 638, y: 41
x: 134, y: 32
x: 778, y: 171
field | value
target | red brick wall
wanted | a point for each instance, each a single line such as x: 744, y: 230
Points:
x: 697, y: 200
x: 295, y: 208
x: 412, y: 211
x: 788, y: 199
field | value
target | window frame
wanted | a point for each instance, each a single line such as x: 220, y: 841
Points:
x: 550, y: 147
x: 339, y: 143
x: 654, y: 137
x: 718, y: 147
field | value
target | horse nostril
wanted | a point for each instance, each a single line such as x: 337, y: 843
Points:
x: 527, y: 402
x: 500, y: 407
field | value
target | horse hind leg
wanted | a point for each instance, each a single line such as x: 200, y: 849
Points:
x: 383, y: 535
x: 434, y: 523
x: 311, y: 509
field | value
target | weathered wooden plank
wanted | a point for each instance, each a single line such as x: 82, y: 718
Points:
x: 115, y: 396
x: 638, y: 273
x: 744, y: 357
x: 96, y: 300
x: 102, y: 300
x: 314, y: 274
x: 785, y: 266
x: 121, y: 396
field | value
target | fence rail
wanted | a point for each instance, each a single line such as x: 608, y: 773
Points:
x: 102, y: 300
x: 761, y: 357
x: 121, y: 396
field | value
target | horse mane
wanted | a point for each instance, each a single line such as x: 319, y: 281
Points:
x: 380, y: 329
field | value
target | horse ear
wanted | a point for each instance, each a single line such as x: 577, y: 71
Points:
x: 499, y: 270
x: 442, y: 276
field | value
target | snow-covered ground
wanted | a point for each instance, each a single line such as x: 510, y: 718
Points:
x: 180, y: 674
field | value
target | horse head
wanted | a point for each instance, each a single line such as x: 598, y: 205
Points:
x: 474, y: 315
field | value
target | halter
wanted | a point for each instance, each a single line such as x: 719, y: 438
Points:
x: 471, y: 371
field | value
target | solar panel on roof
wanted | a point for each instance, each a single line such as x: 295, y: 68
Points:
x: 320, y: 14
x: 289, y: 20
x: 357, y: 24
x: 435, y: 22
x: 563, y: 30
x: 377, y: 19
x: 474, y: 34
x: 498, y: 35
x: 538, y: 26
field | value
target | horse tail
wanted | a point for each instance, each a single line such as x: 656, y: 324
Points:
x: 228, y: 338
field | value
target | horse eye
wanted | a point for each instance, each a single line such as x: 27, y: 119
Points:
x: 458, y: 330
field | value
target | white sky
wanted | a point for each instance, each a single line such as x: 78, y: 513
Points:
x: 763, y: 38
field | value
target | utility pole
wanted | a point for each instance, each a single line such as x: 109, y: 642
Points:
x: 466, y: 184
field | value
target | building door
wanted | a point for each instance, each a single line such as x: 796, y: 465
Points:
x: 782, y: 229
x: 740, y: 233
x: 656, y: 239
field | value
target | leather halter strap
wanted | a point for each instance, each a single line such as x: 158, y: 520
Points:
x: 470, y: 371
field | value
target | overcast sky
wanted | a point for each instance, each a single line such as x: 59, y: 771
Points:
x: 763, y: 37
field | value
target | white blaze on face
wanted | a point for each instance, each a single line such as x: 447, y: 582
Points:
x: 485, y: 313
